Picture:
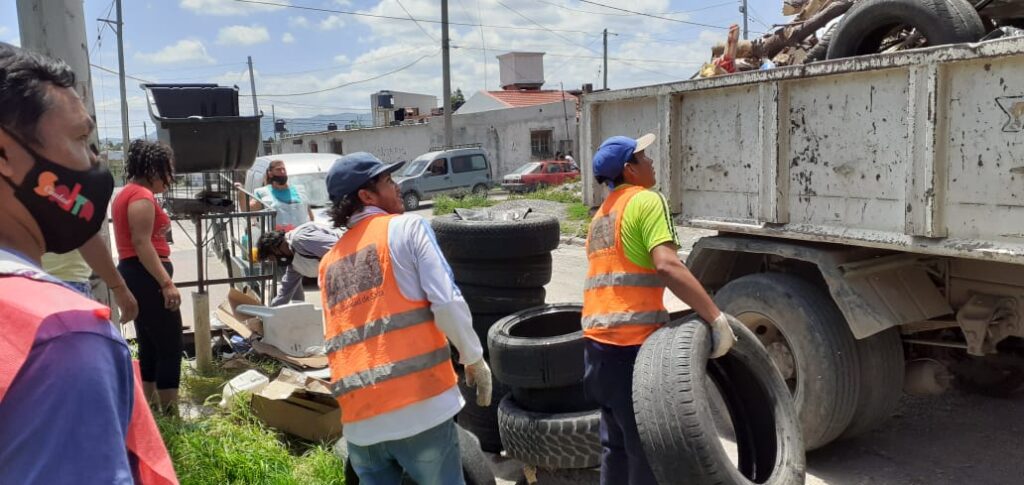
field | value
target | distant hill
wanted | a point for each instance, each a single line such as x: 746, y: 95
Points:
x: 313, y: 123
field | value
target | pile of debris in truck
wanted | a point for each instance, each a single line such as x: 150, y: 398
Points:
x: 833, y: 29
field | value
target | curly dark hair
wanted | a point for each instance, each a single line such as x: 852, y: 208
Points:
x: 149, y: 161
x: 341, y: 210
x: 25, y: 78
x: 268, y: 243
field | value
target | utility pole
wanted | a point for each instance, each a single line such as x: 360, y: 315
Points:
x: 273, y: 117
x: 118, y: 27
x: 743, y: 9
x: 252, y: 86
x: 446, y: 76
x: 145, y: 131
x: 605, y: 70
x: 56, y: 28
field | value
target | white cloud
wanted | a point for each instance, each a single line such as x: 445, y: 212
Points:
x: 183, y: 51
x: 332, y: 22
x: 341, y: 59
x: 287, y: 38
x: 299, y: 21
x: 228, y: 7
x: 242, y: 35
x: 343, y: 3
x: 4, y: 30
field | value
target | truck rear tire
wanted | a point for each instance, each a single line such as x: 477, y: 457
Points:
x: 868, y: 22
x: 809, y: 342
x: 673, y: 386
x: 881, y: 381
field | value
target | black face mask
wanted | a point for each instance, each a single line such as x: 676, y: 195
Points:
x: 279, y: 179
x: 68, y: 205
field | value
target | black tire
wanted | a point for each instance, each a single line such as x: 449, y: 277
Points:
x: 486, y: 299
x: 672, y: 401
x: 528, y: 272
x: 569, y: 399
x: 538, y: 348
x: 940, y: 21
x: 474, y: 463
x: 582, y: 476
x: 480, y: 190
x: 411, y: 201
x: 820, y: 50
x: 800, y: 322
x: 482, y: 323
x: 881, y: 381
x: 564, y: 440
x: 482, y: 421
x: 998, y: 375
x: 535, y: 235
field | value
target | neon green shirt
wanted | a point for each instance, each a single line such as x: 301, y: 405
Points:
x: 67, y: 267
x: 646, y: 223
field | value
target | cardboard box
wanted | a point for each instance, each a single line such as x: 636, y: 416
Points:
x: 300, y: 406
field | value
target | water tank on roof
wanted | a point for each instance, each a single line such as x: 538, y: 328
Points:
x: 332, y: 126
x: 201, y: 123
x: 385, y: 100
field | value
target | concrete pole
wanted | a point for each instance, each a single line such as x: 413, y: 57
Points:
x: 605, y: 69
x: 56, y: 28
x: 446, y: 76
x: 743, y: 8
x: 252, y: 85
x: 125, y: 135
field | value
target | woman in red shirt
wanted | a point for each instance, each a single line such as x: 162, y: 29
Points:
x: 140, y: 227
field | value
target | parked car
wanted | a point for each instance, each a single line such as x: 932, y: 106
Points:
x: 534, y: 175
x: 457, y: 171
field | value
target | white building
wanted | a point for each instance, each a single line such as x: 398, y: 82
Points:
x: 515, y: 125
x: 385, y: 103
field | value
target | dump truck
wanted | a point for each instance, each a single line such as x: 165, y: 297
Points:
x: 869, y: 215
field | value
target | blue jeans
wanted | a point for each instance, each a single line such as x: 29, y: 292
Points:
x: 82, y: 287
x: 430, y: 458
x: 609, y: 381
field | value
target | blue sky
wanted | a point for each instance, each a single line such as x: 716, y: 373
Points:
x: 298, y: 51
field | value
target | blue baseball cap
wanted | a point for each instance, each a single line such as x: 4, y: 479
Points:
x: 352, y: 171
x: 612, y: 155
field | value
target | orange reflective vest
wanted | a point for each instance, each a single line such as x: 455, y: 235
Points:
x: 384, y: 350
x: 622, y: 302
x: 20, y: 321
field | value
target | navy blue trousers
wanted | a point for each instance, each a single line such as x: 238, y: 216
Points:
x: 609, y: 380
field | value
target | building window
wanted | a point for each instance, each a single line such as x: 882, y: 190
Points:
x: 336, y: 147
x: 313, y: 148
x: 540, y: 144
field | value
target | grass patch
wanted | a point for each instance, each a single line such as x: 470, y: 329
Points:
x: 446, y: 205
x: 554, y: 194
x: 577, y: 220
x: 232, y: 446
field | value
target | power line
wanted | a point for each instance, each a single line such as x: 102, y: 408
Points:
x: 575, y: 43
x: 407, y: 66
x: 687, y: 22
x: 709, y: 7
x: 111, y: 71
x: 404, y: 19
x: 431, y: 37
x: 334, y: 68
x: 555, y: 54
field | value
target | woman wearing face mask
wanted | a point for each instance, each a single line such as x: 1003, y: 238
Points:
x: 140, y: 225
x: 277, y: 195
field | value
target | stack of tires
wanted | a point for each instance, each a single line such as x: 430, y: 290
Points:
x: 547, y: 420
x: 501, y: 268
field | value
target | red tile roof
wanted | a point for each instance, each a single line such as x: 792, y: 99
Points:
x: 519, y: 99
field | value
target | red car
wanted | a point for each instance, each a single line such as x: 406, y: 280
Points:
x: 533, y: 175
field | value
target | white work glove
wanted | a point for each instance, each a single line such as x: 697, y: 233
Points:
x: 478, y: 375
x: 722, y: 336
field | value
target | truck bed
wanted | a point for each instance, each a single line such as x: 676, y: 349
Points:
x: 920, y: 151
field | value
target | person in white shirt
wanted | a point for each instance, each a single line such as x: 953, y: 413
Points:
x: 391, y: 307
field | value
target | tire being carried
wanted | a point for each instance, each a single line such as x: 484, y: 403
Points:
x: 672, y: 402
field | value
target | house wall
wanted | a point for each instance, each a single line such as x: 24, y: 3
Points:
x: 505, y: 134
